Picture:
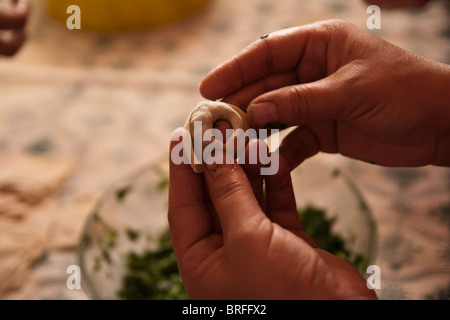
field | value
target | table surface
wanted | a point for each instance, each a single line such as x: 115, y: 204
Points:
x: 80, y: 110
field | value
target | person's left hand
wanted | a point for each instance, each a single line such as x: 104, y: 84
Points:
x: 14, y: 20
x: 232, y: 244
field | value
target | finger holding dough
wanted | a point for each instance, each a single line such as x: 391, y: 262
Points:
x: 209, y: 113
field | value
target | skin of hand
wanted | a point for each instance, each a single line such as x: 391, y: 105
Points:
x: 345, y: 90
x: 230, y: 244
x: 398, y: 4
x: 14, y: 20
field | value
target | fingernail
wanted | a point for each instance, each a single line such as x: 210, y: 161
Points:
x: 264, y: 112
x: 219, y: 164
x: 217, y: 169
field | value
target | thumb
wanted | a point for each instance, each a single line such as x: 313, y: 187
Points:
x: 325, y: 99
x: 232, y: 197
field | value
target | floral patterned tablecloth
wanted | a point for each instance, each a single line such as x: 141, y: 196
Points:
x: 99, y: 106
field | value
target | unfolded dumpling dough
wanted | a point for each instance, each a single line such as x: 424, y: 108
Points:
x: 208, y: 112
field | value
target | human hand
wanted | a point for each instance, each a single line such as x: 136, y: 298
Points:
x: 397, y: 4
x: 349, y: 92
x: 14, y: 20
x: 227, y: 247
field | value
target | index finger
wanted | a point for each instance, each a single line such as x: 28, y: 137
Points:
x: 302, y: 49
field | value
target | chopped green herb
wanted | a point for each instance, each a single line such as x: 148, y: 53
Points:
x: 133, y: 235
x: 360, y: 261
x: 153, y: 275
x: 363, y: 206
x: 336, y: 172
x: 97, y: 264
x: 164, y: 180
x: 86, y: 240
x: 122, y: 193
x: 40, y: 147
x: 96, y: 216
x: 112, y: 237
x: 163, y: 184
x: 319, y: 228
x: 106, y: 256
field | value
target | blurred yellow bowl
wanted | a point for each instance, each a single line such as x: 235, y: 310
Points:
x: 125, y: 15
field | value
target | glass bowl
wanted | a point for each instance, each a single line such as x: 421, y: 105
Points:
x: 131, y: 218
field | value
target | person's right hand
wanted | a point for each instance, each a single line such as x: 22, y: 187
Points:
x: 349, y: 92
x: 14, y: 20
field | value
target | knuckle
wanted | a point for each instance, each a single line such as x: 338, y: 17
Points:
x: 338, y: 25
x: 338, y: 29
x: 226, y: 191
x: 301, y: 98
